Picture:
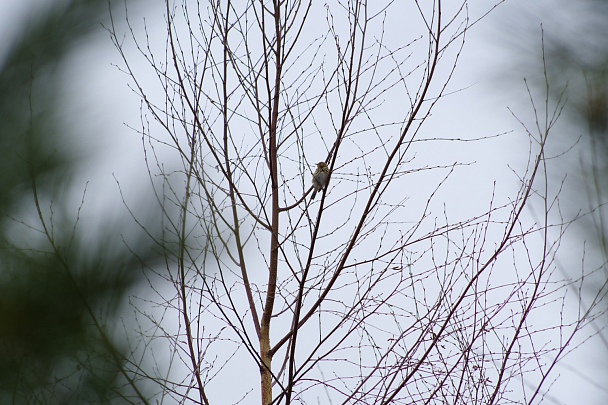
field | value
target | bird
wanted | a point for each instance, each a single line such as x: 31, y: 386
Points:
x: 320, y: 178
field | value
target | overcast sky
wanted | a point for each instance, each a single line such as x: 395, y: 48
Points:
x: 99, y: 103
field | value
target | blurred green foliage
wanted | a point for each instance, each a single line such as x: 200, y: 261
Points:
x: 61, y: 288
x: 577, y: 60
x: 575, y: 53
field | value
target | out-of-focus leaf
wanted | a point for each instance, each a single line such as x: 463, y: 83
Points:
x: 59, y: 299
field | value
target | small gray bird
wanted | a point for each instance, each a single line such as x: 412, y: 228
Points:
x: 319, y: 178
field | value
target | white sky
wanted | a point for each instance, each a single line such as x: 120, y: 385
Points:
x: 100, y: 103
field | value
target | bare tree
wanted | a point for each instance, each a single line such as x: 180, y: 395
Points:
x: 374, y: 293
